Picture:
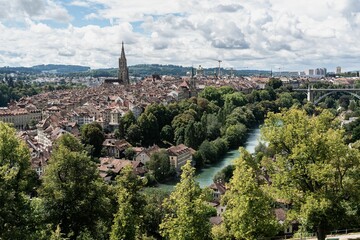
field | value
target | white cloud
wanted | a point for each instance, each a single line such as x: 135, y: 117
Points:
x: 293, y: 34
x: 80, y: 3
x: 20, y: 10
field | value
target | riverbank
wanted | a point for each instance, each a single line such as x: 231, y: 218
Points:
x: 206, y: 174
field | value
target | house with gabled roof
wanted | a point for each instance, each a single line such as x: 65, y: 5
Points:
x: 145, y: 154
x: 109, y: 168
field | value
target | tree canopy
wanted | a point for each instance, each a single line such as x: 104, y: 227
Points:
x: 15, y: 185
x: 92, y: 134
x: 249, y: 214
x: 128, y: 221
x: 75, y: 198
x: 313, y: 169
x: 187, y: 213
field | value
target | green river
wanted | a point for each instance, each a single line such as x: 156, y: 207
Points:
x: 205, y: 175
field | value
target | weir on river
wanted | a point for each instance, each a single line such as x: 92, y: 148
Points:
x: 205, y: 175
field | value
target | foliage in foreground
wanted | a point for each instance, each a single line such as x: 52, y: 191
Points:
x: 249, y: 211
x: 187, y: 213
x: 313, y: 169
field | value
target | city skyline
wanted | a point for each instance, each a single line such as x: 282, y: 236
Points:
x: 256, y: 34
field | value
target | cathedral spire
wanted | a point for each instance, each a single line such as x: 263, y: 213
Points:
x: 123, y: 74
x: 122, y: 50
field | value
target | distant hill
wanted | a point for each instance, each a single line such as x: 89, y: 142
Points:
x: 53, y: 68
x: 49, y: 68
x: 140, y: 70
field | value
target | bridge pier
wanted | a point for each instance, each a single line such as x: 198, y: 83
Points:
x: 310, y: 95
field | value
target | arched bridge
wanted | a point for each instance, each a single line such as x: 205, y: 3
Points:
x: 327, y: 91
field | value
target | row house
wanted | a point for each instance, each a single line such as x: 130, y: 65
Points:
x: 145, y: 154
x: 115, y: 116
x: 109, y: 168
x: 115, y: 148
x: 21, y: 118
x: 50, y: 129
x: 136, y: 109
x: 81, y: 118
x: 218, y: 190
x: 38, y: 156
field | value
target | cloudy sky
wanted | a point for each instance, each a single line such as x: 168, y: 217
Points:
x: 253, y: 34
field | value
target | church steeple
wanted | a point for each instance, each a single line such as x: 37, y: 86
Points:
x: 123, y: 73
x: 122, y: 51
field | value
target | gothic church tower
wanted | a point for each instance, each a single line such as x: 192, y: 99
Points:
x: 123, y: 74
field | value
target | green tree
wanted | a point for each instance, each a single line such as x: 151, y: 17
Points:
x: 154, y: 211
x: 309, y: 107
x: 180, y: 122
x: 213, y: 126
x: 74, y: 195
x: 344, y: 101
x: 195, y: 133
x: 226, y: 90
x: 235, y: 135
x: 149, y: 127
x: 187, y: 213
x: 249, y: 214
x: 207, y: 152
x: 352, y: 105
x: 221, y: 146
x: 130, y: 153
x: 167, y: 134
x: 160, y: 166
x: 134, y: 134
x: 124, y: 124
x: 274, y: 83
x: 313, y: 169
x: 162, y: 114
x: 284, y: 100
x: 225, y: 174
x: 264, y: 95
x: 92, y: 135
x: 234, y: 100
x: 15, y: 185
x: 212, y: 94
x: 128, y: 219
x: 241, y: 115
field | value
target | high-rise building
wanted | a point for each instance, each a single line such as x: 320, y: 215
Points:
x: 123, y: 74
x: 311, y: 72
x: 338, y: 70
x: 320, y: 71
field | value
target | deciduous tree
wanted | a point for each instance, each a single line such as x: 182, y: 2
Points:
x: 92, y: 134
x: 15, y: 185
x: 128, y: 219
x: 187, y: 213
x: 249, y: 214
x: 74, y: 195
x: 149, y: 127
x: 160, y: 166
x: 235, y: 135
x: 313, y: 169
